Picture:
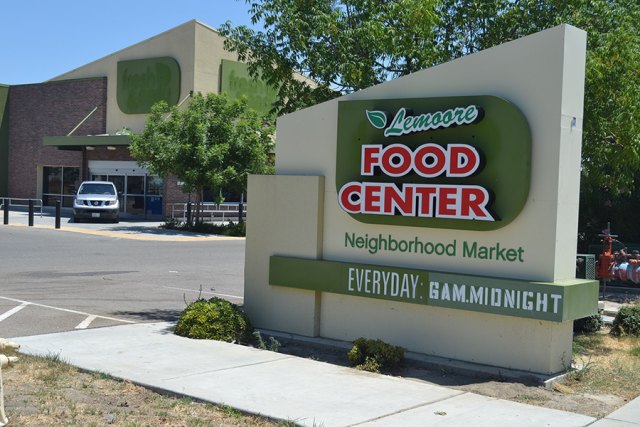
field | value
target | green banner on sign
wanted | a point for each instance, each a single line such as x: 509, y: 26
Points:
x: 559, y: 301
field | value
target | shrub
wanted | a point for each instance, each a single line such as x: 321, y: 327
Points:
x: 627, y: 321
x: 588, y: 325
x: 375, y: 355
x: 274, y: 345
x: 215, y: 319
x: 239, y: 229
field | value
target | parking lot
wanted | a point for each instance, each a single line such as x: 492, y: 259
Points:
x: 92, y: 275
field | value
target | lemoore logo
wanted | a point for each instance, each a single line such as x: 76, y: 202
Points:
x: 404, y: 123
x: 461, y: 162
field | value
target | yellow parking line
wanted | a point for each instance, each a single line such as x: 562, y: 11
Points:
x: 123, y: 235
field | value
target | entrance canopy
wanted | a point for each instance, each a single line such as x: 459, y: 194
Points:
x: 77, y: 143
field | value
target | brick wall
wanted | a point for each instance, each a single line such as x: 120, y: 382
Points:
x: 173, y: 194
x: 50, y: 109
x: 54, y: 109
x: 119, y: 154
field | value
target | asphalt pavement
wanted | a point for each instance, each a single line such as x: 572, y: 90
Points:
x: 277, y: 385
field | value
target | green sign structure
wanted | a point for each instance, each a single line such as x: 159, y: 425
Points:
x: 458, y: 162
x: 558, y: 302
x: 143, y: 82
x: 237, y: 82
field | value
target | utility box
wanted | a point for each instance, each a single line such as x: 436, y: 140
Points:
x: 586, y: 266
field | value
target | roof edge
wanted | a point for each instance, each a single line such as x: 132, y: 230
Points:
x: 190, y: 22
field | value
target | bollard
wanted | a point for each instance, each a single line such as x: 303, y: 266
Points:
x: 58, y: 214
x: 189, y: 214
x: 30, y: 213
x: 240, y: 212
x: 6, y: 212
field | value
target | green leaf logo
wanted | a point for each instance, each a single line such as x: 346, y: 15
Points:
x: 377, y: 118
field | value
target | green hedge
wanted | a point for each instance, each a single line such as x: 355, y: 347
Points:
x: 215, y: 319
x: 375, y: 355
x: 588, y: 325
x: 627, y: 321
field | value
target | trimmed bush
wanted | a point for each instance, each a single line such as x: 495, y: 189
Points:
x: 375, y: 355
x: 588, y: 325
x: 214, y: 319
x: 627, y: 321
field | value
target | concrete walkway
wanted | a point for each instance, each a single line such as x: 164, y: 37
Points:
x: 290, y: 388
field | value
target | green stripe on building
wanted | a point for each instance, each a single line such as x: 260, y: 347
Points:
x: 79, y: 142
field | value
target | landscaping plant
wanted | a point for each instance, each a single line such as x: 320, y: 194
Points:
x: 214, y: 319
x: 627, y: 321
x: 375, y: 355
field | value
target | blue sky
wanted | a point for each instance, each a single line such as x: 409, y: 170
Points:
x: 44, y: 38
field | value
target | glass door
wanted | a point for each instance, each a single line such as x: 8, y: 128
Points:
x: 134, y: 196
x: 139, y: 195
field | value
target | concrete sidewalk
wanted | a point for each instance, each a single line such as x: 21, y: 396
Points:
x: 287, y: 387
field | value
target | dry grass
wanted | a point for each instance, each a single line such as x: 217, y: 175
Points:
x: 612, y: 365
x: 43, y: 391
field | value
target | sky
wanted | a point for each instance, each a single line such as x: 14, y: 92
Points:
x: 42, y: 39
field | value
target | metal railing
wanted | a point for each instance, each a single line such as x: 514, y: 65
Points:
x: 11, y: 201
x: 211, y: 212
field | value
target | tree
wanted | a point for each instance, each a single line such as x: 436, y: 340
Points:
x: 342, y: 46
x: 347, y: 45
x: 611, y: 130
x: 213, y: 142
x: 611, y: 133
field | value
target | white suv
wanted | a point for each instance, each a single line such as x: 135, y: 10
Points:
x: 96, y: 200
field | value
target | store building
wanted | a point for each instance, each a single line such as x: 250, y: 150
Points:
x: 76, y: 126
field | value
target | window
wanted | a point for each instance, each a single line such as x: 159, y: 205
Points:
x: 59, y: 183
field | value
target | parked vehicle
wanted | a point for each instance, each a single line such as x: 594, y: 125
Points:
x: 96, y: 200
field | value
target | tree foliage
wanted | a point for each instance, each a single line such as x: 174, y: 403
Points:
x: 612, y: 88
x: 212, y: 143
x: 348, y: 45
x: 342, y: 46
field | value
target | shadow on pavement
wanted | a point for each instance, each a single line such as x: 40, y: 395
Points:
x: 150, y: 315
x: 156, y: 230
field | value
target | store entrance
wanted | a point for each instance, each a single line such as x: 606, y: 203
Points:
x: 140, y: 194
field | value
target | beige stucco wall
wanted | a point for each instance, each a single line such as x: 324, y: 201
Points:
x: 196, y: 47
x: 209, y: 53
x: 275, y: 229
x: 543, y: 75
x: 509, y: 342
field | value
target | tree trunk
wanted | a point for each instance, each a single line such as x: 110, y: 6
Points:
x: 199, y: 206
